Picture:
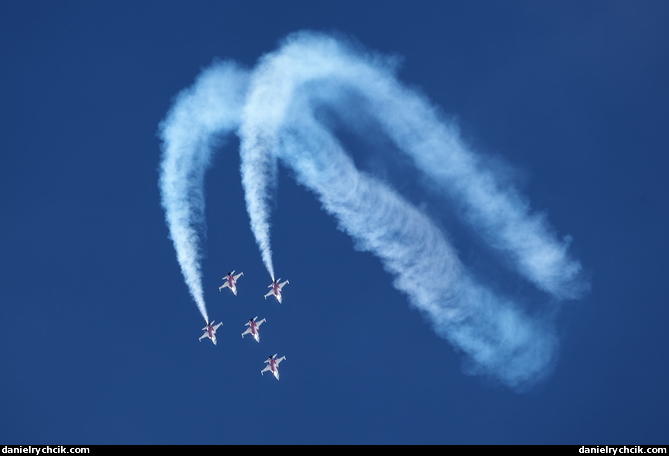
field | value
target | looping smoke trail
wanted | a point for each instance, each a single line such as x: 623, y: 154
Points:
x: 319, y: 65
x: 312, y: 70
x: 277, y: 121
x: 199, y: 113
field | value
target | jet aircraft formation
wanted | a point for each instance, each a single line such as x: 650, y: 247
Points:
x: 230, y: 281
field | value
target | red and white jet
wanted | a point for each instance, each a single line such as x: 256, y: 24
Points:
x: 210, y: 331
x: 252, y: 329
x: 276, y: 289
x: 273, y: 365
x: 231, y: 281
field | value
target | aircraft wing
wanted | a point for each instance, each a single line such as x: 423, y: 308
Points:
x: 216, y: 327
x: 282, y: 284
x: 238, y: 275
x: 279, y: 360
x: 265, y: 369
x: 260, y: 322
x: 225, y: 284
x: 248, y: 331
x: 203, y: 336
x: 269, y: 293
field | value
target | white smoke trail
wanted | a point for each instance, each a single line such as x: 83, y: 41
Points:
x: 311, y: 70
x: 498, y: 337
x: 208, y: 108
x: 324, y: 68
x: 277, y: 120
x: 259, y: 175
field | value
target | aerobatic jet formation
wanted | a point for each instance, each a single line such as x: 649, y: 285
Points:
x: 231, y: 281
x: 210, y: 331
x: 253, y: 328
x: 273, y: 365
x: 276, y: 289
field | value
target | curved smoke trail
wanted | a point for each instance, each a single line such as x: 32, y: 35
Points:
x: 323, y: 70
x: 199, y: 113
x: 279, y: 120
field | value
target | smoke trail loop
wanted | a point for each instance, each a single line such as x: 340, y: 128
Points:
x: 199, y: 114
x: 274, y: 111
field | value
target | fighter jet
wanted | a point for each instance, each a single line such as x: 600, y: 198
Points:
x: 276, y: 289
x: 231, y: 281
x: 252, y: 329
x: 273, y: 365
x: 210, y: 331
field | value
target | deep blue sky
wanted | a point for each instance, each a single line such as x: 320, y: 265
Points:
x: 99, y: 334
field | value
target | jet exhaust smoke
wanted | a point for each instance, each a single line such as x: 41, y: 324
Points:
x: 188, y: 132
x: 274, y: 110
